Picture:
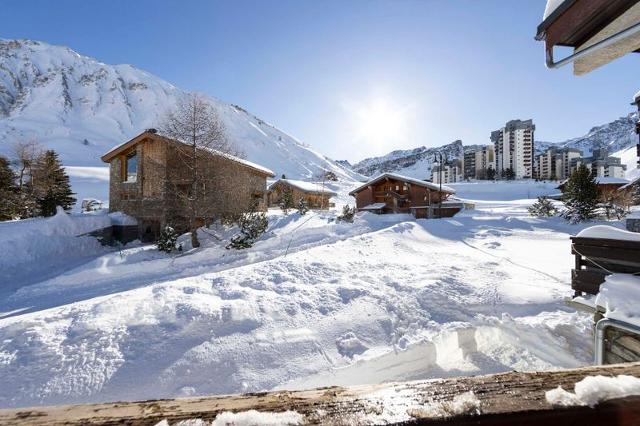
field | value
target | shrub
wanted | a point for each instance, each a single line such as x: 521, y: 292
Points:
x: 167, y: 240
x: 542, y: 208
x: 252, y: 224
x: 348, y: 213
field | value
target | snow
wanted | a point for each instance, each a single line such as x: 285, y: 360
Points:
x: 551, y: 7
x: 610, y: 232
x: 119, y: 218
x: 258, y: 418
x: 606, y: 180
x: 414, y: 181
x: 305, y: 186
x: 593, y: 390
x: 619, y: 295
x: 374, y: 206
x: 315, y: 302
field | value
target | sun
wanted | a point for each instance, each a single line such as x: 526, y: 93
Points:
x: 380, y: 121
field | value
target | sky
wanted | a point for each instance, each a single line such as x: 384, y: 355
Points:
x: 353, y: 79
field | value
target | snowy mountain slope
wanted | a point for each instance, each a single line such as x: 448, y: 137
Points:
x: 414, y: 163
x: 81, y: 108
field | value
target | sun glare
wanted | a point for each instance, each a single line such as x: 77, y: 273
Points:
x: 380, y: 121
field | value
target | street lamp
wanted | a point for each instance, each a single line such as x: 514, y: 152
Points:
x: 435, y: 159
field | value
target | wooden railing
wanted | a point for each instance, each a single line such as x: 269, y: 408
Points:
x: 500, y: 399
x: 595, y: 258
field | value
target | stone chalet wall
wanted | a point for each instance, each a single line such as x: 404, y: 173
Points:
x: 158, y: 197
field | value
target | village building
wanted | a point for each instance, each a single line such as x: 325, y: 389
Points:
x: 393, y: 193
x: 450, y: 172
x: 477, y: 162
x: 147, y: 173
x: 316, y: 195
x: 558, y: 163
x: 604, y: 184
x: 603, y: 165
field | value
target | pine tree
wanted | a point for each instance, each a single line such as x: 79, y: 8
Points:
x: 542, y: 208
x: 252, y: 224
x: 348, y: 213
x: 286, y: 202
x: 9, y: 197
x: 491, y: 173
x: 509, y: 174
x: 52, y: 186
x: 580, y: 196
x: 167, y: 240
x: 303, y: 208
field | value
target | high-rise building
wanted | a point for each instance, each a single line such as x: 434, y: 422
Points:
x: 558, y: 163
x: 602, y: 165
x: 478, y: 161
x: 452, y: 171
x: 514, y: 148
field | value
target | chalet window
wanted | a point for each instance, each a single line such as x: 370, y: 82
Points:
x: 404, y: 187
x: 397, y: 187
x: 130, y: 172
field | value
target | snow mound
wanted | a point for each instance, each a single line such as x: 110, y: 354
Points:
x: 594, y: 389
x: 608, y: 232
x: 620, y: 296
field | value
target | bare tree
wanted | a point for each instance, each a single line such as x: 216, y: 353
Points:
x: 196, y: 125
x: 27, y: 155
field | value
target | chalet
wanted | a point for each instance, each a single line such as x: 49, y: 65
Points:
x: 316, y: 195
x: 604, y: 184
x: 600, y: 31
x: 393, y: 193
x: 146, y: 174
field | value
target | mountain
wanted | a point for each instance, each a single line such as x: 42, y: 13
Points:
x: 414, y: 163
x: 615, y: 136
x: 81, y: 108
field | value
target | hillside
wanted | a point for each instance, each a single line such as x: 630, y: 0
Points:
x: 415, y: 163
x: 81, y: 108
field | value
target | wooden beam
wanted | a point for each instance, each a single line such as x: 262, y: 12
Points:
x: 504, y: 399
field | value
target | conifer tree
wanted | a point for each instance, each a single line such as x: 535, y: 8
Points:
x: 52, y: 186
x: 286, y: 202
x: 9, y: 197
x: 303, y: 208
x: 580, y: 196
x: 542, y: 208
x: 491, y: 173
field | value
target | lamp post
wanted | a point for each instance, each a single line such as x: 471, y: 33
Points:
x: 435, y: 159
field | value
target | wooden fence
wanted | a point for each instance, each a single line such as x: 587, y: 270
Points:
x: 501, y: 399
x: 595, y: 258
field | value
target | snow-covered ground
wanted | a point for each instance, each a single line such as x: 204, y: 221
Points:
x: 314, y: 302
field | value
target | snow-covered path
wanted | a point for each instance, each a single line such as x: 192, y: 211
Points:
x: 385, y: 298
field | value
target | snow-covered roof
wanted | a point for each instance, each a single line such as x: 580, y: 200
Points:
x: 602, y: 180
x: 374, y: 206
x: 119, y: 148
x: 608, y: 232
x: 635, y: 181
x: 430, y: 185
x: 552, y: 6
x: 305, y: 186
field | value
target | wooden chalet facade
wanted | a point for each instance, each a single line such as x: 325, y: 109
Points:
x: 393, y: 193
x: 316, y: 195
x: 147, y: 174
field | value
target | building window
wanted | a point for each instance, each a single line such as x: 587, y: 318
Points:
x: 130, y: 172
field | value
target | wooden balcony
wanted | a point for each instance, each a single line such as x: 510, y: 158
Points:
x: 595, y: 258
x: 512, y: 398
